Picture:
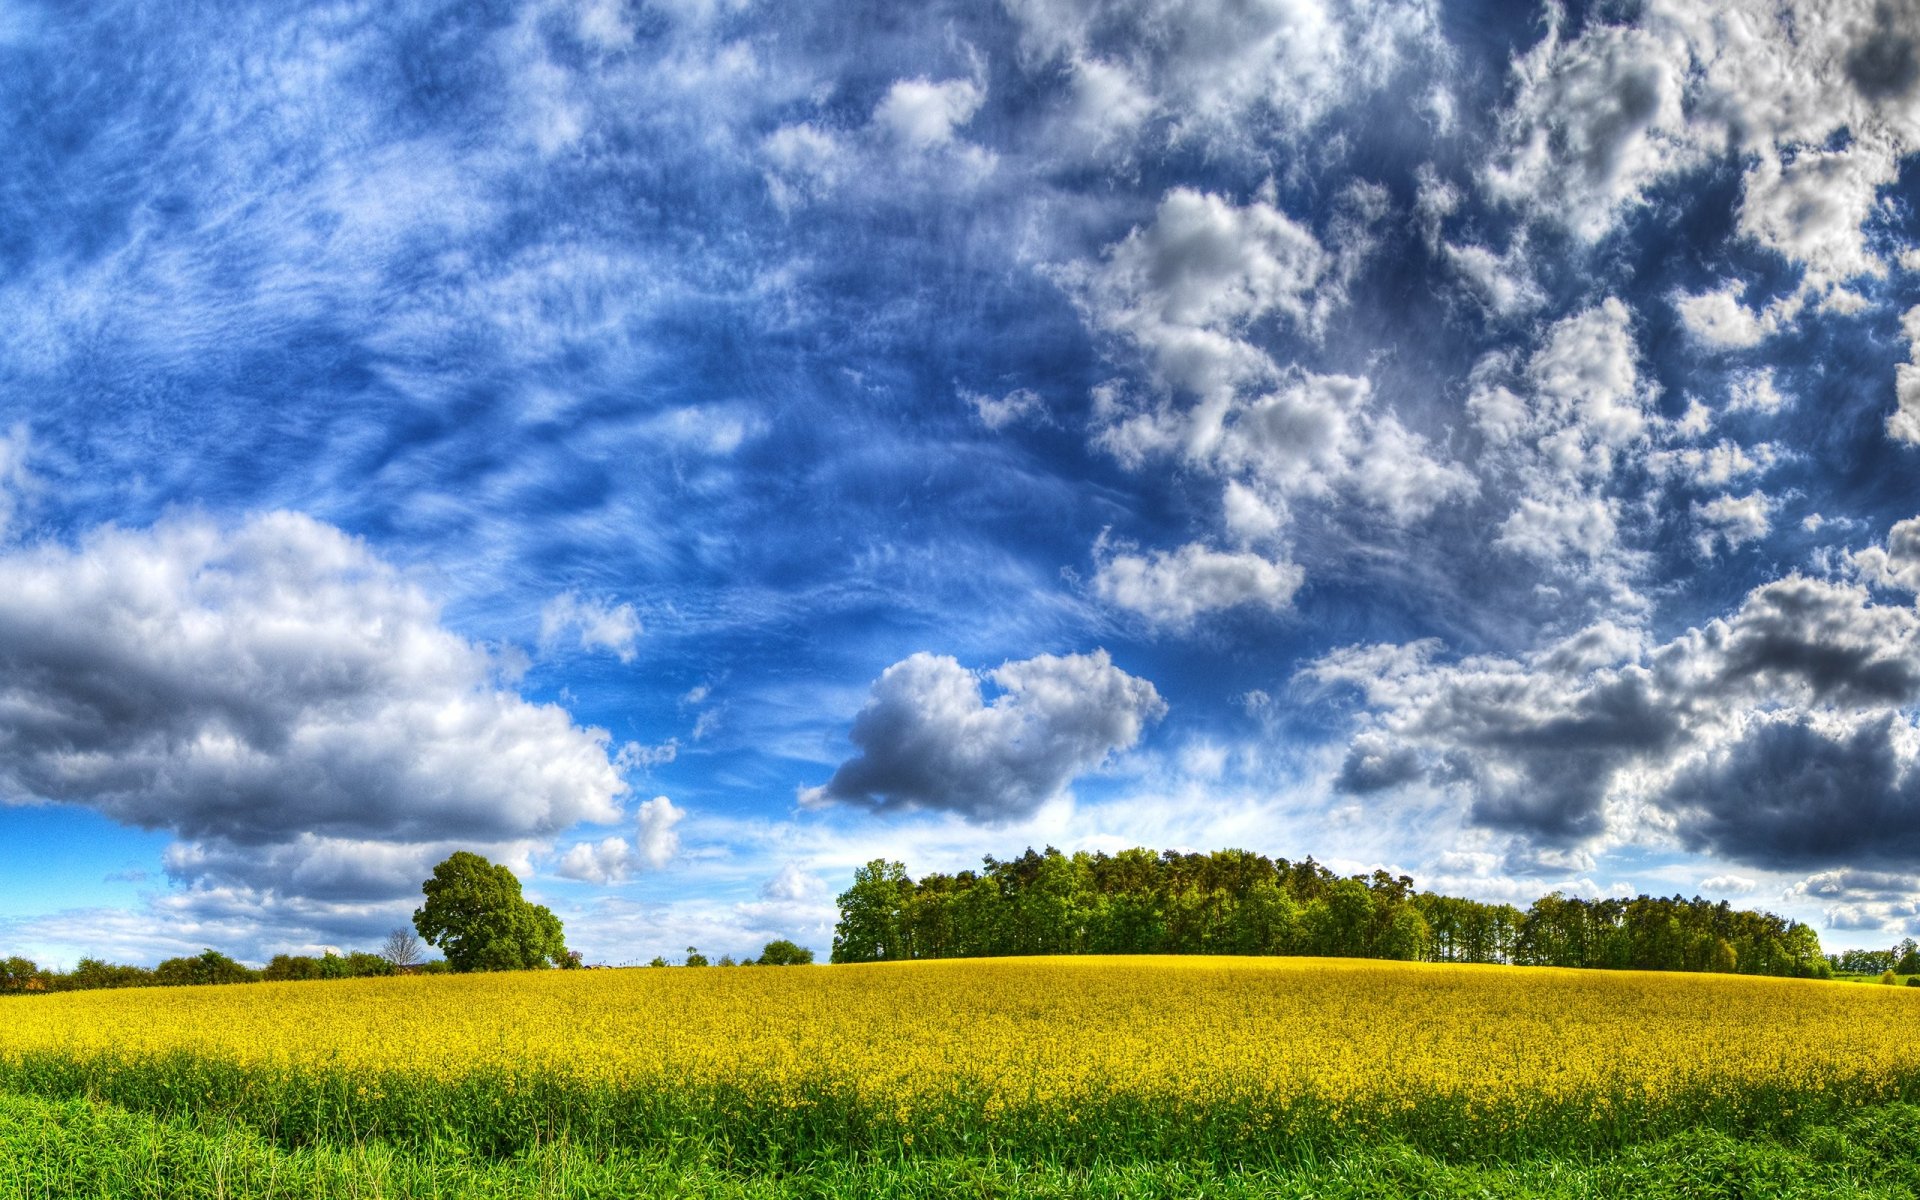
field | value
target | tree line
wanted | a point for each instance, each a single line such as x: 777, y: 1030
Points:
x: 1902, y: 959
x: 474, y: 913
x: 1238, y: 902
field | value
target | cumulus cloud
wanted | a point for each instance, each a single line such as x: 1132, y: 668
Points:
x: 1226, y: 77
x: 280, y: 699
x: 1896, y: 564
x: 1781, y: 734
x: 615, y: 859
x: 1594, y: 120
x: 1904, y: 424
x: 1190, y: 293
x: 1556, y: 429
x: 1175, y: 588
x: 923, y: 114
x: 1732, y: 521
x: 929, y: 740
x: 1599, y: 119
x: 1719, y: 319
x: 594, y: 623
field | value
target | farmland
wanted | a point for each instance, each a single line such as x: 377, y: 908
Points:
x: 1086, y: 1066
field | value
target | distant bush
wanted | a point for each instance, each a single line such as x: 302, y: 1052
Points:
x: 782, y: 953
x: 209, y: 966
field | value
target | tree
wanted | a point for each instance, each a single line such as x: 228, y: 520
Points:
x: 782, y: 953
x: 1906, y: 958
x: 21, y: 975
x: 870, y: 911
x: 209, y: 966
x: 402, y: 949
x: 475, y: 914
x: 695, y: 958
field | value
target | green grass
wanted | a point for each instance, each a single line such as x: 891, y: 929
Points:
x: 56, y: 1149
x: 504, y: 1115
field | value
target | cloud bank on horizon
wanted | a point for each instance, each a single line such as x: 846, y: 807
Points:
x: 684, y: 448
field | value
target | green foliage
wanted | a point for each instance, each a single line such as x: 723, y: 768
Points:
x: 73, y: 1149
x: 871, y: 910
x: 209, y: 966
x: 1906, y: 957
x: 21, y: 975
x: 1236, y: 902
x: 695, y: 958
x: 1889, y: 978
x: 357, y: 965
x: 782, y: 953
x: 474, y: 912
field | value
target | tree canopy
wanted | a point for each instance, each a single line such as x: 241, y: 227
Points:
x: 1237, y: 902
x: 477, y: 917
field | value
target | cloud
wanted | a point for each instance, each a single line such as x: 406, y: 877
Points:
x: 1719, y: 320
x: 996, y: 413
x: 922, y: 114
x: 1174, y: 589
x: 281, y: 700
x: 928, y: 740
x: 1597, y: 121
x: 614, y: 859
x: 1796, y: 791
x: 1193, y: 293
x: 1904, y: 424
x: 1228, y: 78
x: 1732, y: 521
x: 1557, y: 429
x: 1897, y: 564
x: 1593, y: 122
x: 1780, y: 734
x: 597, y: 623
x: 1185, y: 289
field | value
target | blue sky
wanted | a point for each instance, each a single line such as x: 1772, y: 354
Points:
x: 686, y: 449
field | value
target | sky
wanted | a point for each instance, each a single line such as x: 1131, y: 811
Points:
x: 684, y: 449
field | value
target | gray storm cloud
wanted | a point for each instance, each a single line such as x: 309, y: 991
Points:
x: 929, y: 740
x: 280, y: 699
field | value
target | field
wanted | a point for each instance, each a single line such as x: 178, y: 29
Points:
x: 991, y: 1077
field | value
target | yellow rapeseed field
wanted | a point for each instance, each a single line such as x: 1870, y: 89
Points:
x: 1250, y: 1034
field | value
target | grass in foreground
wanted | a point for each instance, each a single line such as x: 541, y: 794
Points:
x: 67, y: 1150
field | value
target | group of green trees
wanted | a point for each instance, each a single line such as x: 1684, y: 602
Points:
x: 474, y: 912
x: 209, y: 966
x: 1902, y: 959
x: 1238, y: 902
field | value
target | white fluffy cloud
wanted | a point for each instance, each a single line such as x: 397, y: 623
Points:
x: 1193, y: 293
x: 615, y: 859
x: 1556, y: 429
x: 927, y: 738
x: 1223, y: 75
x: 923, y: 114
x: 1904, y: 424
x: 1599, y: 119
x: 1593, y: 122
x: 595, y: 623
x: 1175, y: 588
x: 1733, y: 521
x: 280, y: 699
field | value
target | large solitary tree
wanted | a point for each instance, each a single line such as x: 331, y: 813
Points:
x: 476, y: 915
